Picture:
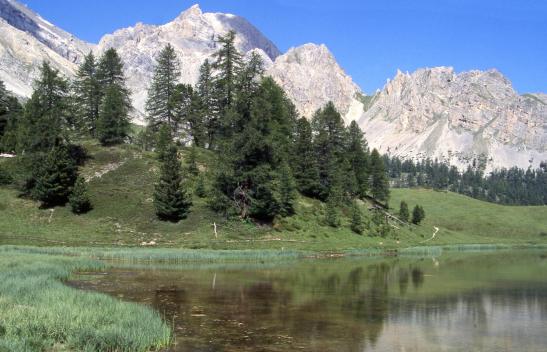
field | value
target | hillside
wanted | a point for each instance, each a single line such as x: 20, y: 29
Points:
x: 121, y: 182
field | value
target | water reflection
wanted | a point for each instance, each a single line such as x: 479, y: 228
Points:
x: 480, y: 302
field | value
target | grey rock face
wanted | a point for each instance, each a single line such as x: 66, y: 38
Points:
x: 312, y: 77
x: 458, y: 117
x: 24, y: 19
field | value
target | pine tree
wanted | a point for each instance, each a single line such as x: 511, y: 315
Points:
x: 304, y: 161
x: 87, y: 94
x: 329, y: 144
x: 171, y: 201
x: 358, y: 158
x: 357, y: 225
x: 287, y: 191
x: 248, y: 177
x: 113, y: 122
x: 79, y: 199
x: 113, y: 125
x: 3, y: 109
x: 193, y: 162
x: 380, y: 184
x: 208, y: 104
x: 200, y: 189
x: 418, y: 214
x: 55, y: 178
x: 110, y: 72
x: 163, y: 142
x: 10, y: 116
x: 228, y: 64
x: 331, y: 212
x: 44, y: 120
x: 161, y: 103
x: 404, y: 214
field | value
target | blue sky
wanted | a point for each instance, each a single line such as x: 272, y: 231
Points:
x: 370, y: 39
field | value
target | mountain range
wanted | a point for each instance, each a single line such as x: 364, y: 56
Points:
x: 466, y: 117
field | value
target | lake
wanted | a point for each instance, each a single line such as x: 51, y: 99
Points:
x: 486, y: 301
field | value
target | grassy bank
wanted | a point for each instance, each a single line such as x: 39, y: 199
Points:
x: 39, y: 313
x: 121, y: 188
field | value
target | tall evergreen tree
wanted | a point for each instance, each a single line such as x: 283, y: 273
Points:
x: 55, y: 177
x: 380, y: 183
x: 248, y: 180
x: 357, y: 225
x: 188, y: 113
x: 304, y: 161
x: 3, y: 108
x: 87, y: 94
x: 113, y: 125
x: 110, y: 71
x: 171, y: 199
x: 418, y: 214
x: 163, y: 142
x: 161, y: 103
x: 10, y: 115
x: 44, y: 121
x: 329, y: 144
x: 404, y: 214
x: 79, y: 199
x: 228, y: 64
x: 193, y: 162
x: 358, y: 158
x: 206, y: 97
x: 287, y: 191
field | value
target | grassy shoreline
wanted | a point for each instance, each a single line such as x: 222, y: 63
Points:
x: 38, y: 312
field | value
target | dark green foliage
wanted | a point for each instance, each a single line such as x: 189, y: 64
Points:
x: 113, y: 125
x: 512, y: 186
x: 357, y: 153
x: 55, y: 177
x: 304, y: 162
x: 332, y: 218
x: 10, y: 115
x: 188, y: 113
x: 110, y: 72
x: 228, y: 64
x: 404, y: 214
x: 200, y: 189
x: 171, y: 200
x: 248, y: 178
x: 163, y: 142
x: 380, y: 183
x: 44, y: 121
x: 208, y: 105
x: 418, y: 214
x: 287, y: 191
x: 329, y: 145
x: 146, y: 139
x: 79, y: 199
x: 5, y: 176
x: 87, y: 94
x: 357, y: 224
x: 192, y: 163
x: 162, y: 102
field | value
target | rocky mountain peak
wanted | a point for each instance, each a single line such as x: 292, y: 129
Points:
x: 312, y: 77
x: 192, y: 11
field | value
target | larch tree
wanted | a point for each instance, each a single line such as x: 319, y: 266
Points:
x: 172, y: 200
x: 161, y: 102
x: 87, y: 94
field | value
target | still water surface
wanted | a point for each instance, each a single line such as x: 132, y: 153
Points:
x: 455, y: 302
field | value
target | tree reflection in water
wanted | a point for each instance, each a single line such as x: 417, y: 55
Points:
x: 483, y: 302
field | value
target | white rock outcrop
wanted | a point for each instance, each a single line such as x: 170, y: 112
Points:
x: 437, y: 113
